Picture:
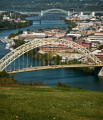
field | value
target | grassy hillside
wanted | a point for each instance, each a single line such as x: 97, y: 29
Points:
x: 49, y: 103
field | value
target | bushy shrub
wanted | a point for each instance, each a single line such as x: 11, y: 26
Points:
x: 33, y: 83
x: 77, y: 87
x: 6, y: 79
x: 59, y: 84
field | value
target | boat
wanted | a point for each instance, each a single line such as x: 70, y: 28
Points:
x: 8, y: 45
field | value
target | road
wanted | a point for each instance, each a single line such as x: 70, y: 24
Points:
x: 52, y: 67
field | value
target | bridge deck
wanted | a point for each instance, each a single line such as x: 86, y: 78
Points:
x: 51, y: 67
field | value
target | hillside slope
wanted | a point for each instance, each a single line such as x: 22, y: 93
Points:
x: 49, y: 103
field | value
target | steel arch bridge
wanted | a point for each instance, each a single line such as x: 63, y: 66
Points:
x: 16, y: 53
x: 58, y: 10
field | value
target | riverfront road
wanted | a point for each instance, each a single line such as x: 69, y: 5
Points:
x: 51, y: 67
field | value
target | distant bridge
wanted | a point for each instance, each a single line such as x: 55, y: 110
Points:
x: 68, y: 13
x: 64, y: 11
x: 55, y: 11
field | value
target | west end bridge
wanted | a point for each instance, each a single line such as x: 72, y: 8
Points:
x: 55, y: 10
x: 16, y: 53
x: 68, y: 14
x: 52, y: 14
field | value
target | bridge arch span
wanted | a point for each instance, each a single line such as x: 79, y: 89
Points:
x: 16, y: 53
x: 60, y: 10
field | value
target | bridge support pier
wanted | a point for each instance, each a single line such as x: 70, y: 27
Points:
x: 40, y: 21
x: 69, y: 14
x: 42, y: 13
x: 98, y: 71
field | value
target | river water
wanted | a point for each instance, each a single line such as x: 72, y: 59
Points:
x: 50, y: 77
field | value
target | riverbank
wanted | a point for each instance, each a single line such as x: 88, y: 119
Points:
x: 49, y: 103
x: 5, y: 25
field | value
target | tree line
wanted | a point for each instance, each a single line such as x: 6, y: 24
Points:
x: 13, y: 24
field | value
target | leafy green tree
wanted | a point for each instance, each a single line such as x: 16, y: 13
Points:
x: 12, y: 35
x: 6, y: 79
x: 18, y: 43
x: 13, y: 24
x: 4, y: 74
x: 100, y: 47
x: 19, y: 32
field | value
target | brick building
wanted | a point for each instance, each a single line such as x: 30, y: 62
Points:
x: 62, y: 47
x: 56, y: 48
x: 100, y: 55
x: 86, y: 45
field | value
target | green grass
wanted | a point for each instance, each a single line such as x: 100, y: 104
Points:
x: 49, y: 103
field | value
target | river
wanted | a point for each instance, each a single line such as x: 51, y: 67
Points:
x: 69, y: 77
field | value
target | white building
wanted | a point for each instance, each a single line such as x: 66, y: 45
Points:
x: 25, y: 32
x: 97, y: 37
x: 93, y: 14
x: 6, y: 18
x: 85, y: 24
x: 75, y: 35
x: 82, y: 16
x: 38, y: 34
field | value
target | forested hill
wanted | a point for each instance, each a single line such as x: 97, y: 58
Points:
x: 38, y: 5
